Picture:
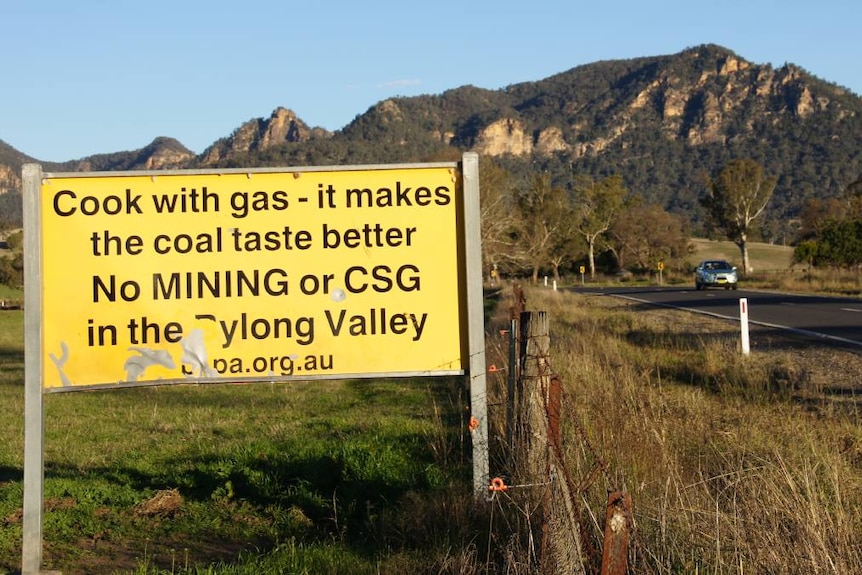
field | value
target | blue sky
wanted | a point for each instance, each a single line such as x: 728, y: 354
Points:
x: 96, y: 76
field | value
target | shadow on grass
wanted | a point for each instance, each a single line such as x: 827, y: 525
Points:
x: 334, y: 481
x: 11, y: 366
x: 348, y: 496
x: 8, y: 474
x: 670, y: 341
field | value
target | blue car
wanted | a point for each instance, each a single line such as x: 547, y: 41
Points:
x: 715, y: 273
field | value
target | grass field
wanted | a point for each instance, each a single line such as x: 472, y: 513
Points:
x: 10, y: 293
x: 735, y: 465
x: 763, y: 257
x: 296, y: 476
x: 772, y: 268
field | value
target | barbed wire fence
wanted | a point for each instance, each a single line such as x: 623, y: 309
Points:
x: 535, y: 493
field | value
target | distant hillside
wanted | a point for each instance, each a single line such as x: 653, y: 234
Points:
x: 161, y: 154
x: 663, y: 123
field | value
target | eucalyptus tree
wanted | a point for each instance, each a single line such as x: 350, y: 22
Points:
x: 840, y: 244
x: 735, y: 198
x: 833, y: 230
x: 11, y: 209
x: 647, y: 234
x: 544, y: 223
x: 595, y: 206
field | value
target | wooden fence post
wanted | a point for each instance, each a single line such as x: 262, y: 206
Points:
x: 535, y: 374
x: 539, y: 457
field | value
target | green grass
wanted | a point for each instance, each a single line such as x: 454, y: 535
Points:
x: 239, y: 476
x: 11, y: 293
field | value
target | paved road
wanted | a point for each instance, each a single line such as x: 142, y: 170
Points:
x: 835, y: 319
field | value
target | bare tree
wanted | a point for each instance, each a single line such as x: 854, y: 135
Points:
x: 499, y: 220
x: 736, y: 197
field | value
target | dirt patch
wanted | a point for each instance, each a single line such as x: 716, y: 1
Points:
x: 165, y: 503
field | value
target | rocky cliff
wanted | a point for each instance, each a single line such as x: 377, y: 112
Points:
x: 9, y: 179
x: 706, y: 95
x: 261, y: 134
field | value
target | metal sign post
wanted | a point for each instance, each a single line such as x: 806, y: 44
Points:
x: 31, y: 555
x: 476, y: 323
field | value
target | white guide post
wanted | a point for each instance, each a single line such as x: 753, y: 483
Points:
x: 743, y: 322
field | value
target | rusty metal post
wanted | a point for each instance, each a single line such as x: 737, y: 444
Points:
x: 519, y: 302
x: 616, y: 543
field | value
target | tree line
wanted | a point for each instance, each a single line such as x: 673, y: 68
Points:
x: 531, y: 226
x: 831, y: 230
x: 538, y: 225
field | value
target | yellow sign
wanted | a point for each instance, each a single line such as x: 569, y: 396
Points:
x: 186, y: 276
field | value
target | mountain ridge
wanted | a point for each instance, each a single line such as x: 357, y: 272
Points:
x: 661, y: 121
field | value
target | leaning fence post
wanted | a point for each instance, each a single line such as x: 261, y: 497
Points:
x: 566, y: 553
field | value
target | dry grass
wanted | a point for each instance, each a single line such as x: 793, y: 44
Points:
x: 842, y: 282
x: 773, y: 268
x: 736, y: 465
x: 761, y: 256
